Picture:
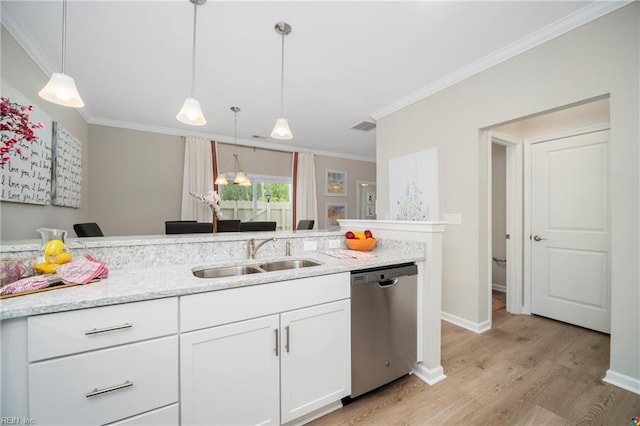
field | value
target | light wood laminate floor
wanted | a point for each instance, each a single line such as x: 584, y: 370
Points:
x: 527, y: 370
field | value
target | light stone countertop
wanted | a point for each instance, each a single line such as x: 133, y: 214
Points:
x: 145, y: 283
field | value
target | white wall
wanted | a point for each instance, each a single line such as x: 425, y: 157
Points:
x: 594, y: 60
x: 19, y: 221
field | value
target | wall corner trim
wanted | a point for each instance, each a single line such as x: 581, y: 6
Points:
x: 476, y: 327
x: 623, y: 381
x: 430, y: 376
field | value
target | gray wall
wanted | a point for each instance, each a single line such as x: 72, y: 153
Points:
x: 356, y: 170
x: 594, y: 60
x: 499, y: 213
x: 137, y: 180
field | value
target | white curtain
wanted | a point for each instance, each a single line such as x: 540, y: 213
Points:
x: 306, y: 197
x: 197, y: 178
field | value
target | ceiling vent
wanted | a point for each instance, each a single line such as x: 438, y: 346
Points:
x: 364, y: 125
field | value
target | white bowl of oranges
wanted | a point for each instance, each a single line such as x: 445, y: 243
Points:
x: 361, y: 241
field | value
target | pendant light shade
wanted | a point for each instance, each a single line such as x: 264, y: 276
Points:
x: 281, y: 130
x: 191, y: 113
x: 61, y: 89
x: 240, y: 177
x: 221, y: 179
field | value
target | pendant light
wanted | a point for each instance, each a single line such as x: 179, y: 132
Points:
x: 240, y: 177
x: 61, y: 89
x: 281, y: 129
x: 191, y: 113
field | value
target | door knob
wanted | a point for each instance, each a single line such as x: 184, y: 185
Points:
x: 538, y: 238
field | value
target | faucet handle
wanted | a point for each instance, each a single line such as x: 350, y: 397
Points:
x: 250, y: 245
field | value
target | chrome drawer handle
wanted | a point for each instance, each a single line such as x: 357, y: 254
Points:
x: 277, y: 342
x: 286, y: 344
x: 104, y: 330
x: 98, y: 392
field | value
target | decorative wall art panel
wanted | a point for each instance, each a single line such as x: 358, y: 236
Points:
x: 67, y: 168
x: 413, y: 186
x: 333, y: 213
x: 335, y: 182
x: 26, y: 177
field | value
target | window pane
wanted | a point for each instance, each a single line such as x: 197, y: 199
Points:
x: 268, y: 199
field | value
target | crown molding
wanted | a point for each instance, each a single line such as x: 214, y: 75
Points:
x: 570, y: 22
x: 224, y: 139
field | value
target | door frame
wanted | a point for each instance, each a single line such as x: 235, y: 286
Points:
x: 527, y: 288
x: 358, y: 193
x: 514, y: 203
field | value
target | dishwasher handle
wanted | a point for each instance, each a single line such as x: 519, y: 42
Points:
x: 388, y: 283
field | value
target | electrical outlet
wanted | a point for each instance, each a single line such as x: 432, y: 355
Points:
x: 334, y: 244
x: 310, y: 245
x: 453, y: 218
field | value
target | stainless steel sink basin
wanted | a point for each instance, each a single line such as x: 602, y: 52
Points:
x: 227, y: 271
x: 288, y: 264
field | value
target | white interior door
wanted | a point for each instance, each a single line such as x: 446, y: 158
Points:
x: 570, y: 276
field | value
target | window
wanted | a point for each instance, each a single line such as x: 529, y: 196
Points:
x: 267, y: 199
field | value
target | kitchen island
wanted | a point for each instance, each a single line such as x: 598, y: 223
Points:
x: 151, y: 278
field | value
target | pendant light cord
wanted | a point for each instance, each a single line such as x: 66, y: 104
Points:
x: 64, y: 34
x: 235, y: 133
x: 193, y: 53
x: 282, y: 80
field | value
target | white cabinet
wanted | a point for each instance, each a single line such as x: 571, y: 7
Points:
x: 229, y: 374
x: 315, y: 367
x: 271, y: 369
x: 118, y: 361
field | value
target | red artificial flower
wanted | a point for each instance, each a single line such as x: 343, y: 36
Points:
x: 15, y: 128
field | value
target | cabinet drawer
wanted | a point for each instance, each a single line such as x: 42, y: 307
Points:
x: 199, y: 311
x: 106, y: 385
x: 165, y: 416
x: 71, y: 332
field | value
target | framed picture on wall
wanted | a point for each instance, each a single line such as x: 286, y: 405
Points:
x: 333, y: 213
x: 370, y: 210
x: 335, y: 182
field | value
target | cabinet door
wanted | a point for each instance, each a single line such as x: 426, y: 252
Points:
x: 316, y: 358
x: 229, y: 374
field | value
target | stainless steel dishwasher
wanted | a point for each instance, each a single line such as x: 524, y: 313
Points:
x: 383, y: 325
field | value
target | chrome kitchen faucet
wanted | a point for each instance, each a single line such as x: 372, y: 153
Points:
x: 252, y: 248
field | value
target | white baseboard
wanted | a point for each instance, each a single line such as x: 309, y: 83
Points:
x: 476, y: 327
x: 430, y: 376
x: 499, y: 287
x: 622, y: 381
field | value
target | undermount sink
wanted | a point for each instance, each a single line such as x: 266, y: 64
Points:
x: 233, y: 271
x: 287, y: 264
x: 227, y: 271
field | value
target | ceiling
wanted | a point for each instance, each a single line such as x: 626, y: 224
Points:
x: 345, y: 62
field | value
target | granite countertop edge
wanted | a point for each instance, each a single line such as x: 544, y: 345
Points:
x: 139, y: 284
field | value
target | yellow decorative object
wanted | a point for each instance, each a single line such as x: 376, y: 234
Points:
x: 45, y: 268
x: 360, y: 235
x: 52, y: 249
x: 361, y: 244
x: 62, y: 258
